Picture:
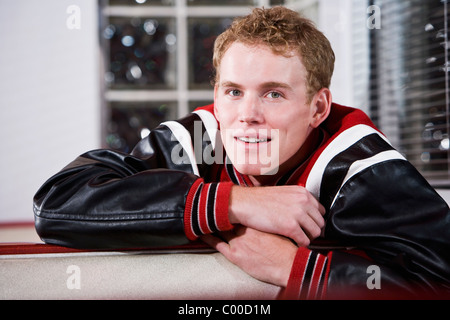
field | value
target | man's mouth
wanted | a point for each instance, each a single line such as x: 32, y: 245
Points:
x: 253, y: 140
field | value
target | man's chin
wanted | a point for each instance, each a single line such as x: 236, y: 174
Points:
x: 256, y: 170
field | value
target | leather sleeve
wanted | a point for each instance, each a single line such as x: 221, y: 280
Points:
x: 106, y: 199
x: 386, y: 237
x: 391, y: 214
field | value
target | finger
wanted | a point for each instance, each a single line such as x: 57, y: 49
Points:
x: 311, y: 227
x: 312, y: 200
x: 301, y: 239
x: 322, y: 209
x: 317, y: 217
x: 316, y: 211
x: 216, y: 243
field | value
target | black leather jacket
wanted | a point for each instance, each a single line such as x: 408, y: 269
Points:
x: 377, y: 204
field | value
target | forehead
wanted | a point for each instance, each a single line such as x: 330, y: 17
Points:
x: 259, y: 62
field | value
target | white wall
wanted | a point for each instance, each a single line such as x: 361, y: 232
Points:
x: 49, y: 95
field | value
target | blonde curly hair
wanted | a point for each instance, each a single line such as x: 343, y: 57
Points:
x: 285, y: 32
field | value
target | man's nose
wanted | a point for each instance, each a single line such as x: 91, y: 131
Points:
x: 250, y: 111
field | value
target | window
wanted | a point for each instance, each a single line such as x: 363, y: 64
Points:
x: 409, y: 83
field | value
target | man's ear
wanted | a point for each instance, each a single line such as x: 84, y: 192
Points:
x: 321, y: 104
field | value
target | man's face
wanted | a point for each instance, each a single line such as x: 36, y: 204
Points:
x: 262, y: 106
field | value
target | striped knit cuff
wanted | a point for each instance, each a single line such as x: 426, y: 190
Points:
x: 206, y: 209
x: 309, y: 276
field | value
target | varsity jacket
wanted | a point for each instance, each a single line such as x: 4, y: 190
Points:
x: 387, y: 231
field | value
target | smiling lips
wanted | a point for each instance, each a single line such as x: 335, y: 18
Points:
x: 252, y: 139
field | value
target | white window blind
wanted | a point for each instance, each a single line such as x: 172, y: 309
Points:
x: 409, y: 82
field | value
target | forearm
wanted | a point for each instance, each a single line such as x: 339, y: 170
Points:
x: 101, y: 201
x: 207, y: 209
x: 351, y: 274
x: 308, y: 277
x: 345, y: 275
x: 242, y: 201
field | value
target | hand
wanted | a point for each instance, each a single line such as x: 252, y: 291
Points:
x: 266, y: 257
x: 290, y: 211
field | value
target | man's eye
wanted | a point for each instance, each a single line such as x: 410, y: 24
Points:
x: 234, y: 93
x: 274, y: 95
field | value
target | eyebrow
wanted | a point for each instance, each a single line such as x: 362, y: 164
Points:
x: 230, y: 84
x: 265, y: 85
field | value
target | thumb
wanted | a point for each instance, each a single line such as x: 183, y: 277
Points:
x: 216, y: 243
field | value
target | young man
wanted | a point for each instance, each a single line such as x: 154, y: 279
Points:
x: 295, y: 190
